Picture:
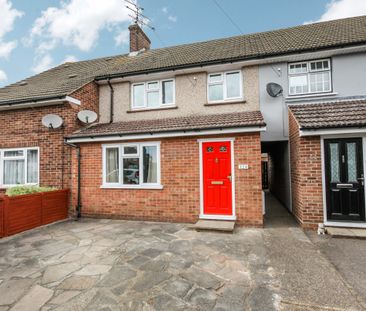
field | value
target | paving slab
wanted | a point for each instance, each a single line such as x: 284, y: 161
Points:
x: 128, y: 265
x: 12, y: 290
x: 34, y: 299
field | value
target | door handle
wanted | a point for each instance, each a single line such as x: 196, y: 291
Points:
x: 229, y: 177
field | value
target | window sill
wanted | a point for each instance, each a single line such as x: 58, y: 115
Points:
x: 295, y: 97
x: 232, y: 102
x: 135, y: 187
x: 151, y: 109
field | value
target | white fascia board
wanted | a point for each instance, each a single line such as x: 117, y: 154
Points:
x: 166, y: 134
x: 32, y: 104
x: 41, y: 103
x: 335, y: 131
x: 73, y: 100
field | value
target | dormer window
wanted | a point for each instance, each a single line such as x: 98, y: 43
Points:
x: 310, y: 77
x: 224, y: 86
x: 153, y: 94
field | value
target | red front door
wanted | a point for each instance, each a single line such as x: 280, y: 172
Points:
x: 217, y: 191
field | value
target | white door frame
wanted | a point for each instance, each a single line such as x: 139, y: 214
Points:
x: 218, y: 217
x: 341, y: 223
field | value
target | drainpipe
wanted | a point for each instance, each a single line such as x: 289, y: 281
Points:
x: 111, y: 102
x: 78, y: 206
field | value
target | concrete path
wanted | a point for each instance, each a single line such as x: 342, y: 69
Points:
x: 125, y: 265
x: 349, y: 258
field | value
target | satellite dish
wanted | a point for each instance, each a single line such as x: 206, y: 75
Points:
x: 274, y: 89
x: 52, y: 121
x: 87, y: 116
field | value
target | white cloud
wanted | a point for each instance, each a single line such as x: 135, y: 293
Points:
x: 70, y: 59
x: 122, y: 38
x: 173, y: 18
x: 43, y: 63
x: 336, y: 9
x: 8, y: 17
x: 3, y: 76
x: 79, y: 22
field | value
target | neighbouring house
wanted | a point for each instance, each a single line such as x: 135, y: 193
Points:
x: 182, y: 131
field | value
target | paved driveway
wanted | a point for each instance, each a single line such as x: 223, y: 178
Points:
x: 125, y: 265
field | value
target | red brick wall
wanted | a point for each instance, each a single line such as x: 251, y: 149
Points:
x: 306, y: 177
x: 179, y: 201
x: 23, y: 128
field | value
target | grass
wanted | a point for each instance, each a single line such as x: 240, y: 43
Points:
x: 20, y: 190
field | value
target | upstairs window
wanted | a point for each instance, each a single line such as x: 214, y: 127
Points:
x: 310, y: 77
x: 153, y: 94
x: 224, y: 86
x: 19, y: 167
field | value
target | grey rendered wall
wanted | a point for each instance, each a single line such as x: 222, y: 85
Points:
x: 274, y: 110
x: 349, y: 75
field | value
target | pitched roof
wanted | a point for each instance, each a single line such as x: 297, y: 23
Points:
x: 194, y: 122
x: 56, y: 82
x: 59, y: 81
x: 340, y: 114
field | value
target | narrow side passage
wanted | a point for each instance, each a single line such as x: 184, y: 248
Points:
x: 276, y: 214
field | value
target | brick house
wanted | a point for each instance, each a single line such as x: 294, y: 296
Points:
x: 182, y: 131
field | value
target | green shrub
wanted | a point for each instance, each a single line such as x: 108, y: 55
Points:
x: 20, y: 190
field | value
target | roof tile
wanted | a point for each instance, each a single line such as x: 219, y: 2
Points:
x: 56, y: 82
x: 194, y: 122
x: 351, y: 113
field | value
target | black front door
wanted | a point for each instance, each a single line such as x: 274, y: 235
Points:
x: 344, y: 179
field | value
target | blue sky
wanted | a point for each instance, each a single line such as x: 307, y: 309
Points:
x: 39, y: 34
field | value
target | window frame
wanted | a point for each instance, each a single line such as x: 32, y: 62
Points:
x: 139, y: 155
x: 24, y: 157
x: 224, y: 84
x: 308, y: 72
x: 146, y: 91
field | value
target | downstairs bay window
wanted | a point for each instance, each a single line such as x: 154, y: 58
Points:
x: 133, y: 165
x: 19, y: 167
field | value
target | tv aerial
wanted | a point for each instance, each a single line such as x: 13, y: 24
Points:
x: 137, y: 16
x: 87, y: 116
x: 274, y: 89
x: 52, y: 121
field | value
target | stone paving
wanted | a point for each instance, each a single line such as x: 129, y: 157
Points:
x: 126, y: 265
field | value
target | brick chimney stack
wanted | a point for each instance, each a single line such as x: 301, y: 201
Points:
x: 138, y: 39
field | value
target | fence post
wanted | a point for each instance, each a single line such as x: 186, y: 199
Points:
x: 1, y: 217
x: 5, y: 215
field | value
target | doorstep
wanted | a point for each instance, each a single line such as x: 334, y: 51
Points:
x: 346, y: 232
x: 214, y: 225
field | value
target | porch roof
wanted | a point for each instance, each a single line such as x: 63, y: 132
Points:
x: 189, y: 123
x: 336, y: 114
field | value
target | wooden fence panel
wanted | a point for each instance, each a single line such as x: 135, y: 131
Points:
x: 22, y: 213
x: 54, y: 206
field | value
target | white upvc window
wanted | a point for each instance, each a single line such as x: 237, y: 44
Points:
x: 19, y: 166
x: 224, y: 86
x: 132, y: 165
x: 310, y: 77
x: 153, y: 94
